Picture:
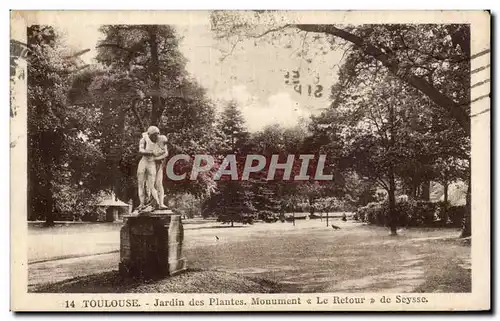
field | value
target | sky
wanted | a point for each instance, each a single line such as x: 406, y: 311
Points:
x: 253, y: 75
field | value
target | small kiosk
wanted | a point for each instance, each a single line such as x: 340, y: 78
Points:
x: 114, y: 208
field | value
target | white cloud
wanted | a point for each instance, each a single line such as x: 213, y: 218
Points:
x: 279, y: 108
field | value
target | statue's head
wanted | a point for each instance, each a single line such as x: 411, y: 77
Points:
x: 153, y: 133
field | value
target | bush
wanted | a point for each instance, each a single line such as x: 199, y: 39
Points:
x: 375, y: 213
x: 247, y: 219
x: 361, y: 214
x: 268, y: 216
x: 442, y: 209
x: 369, y: 216
x: 456, y: 215
x: 452, y: 215
x: 239, y: 218
x: 90, y: 217
x: 407, y: 213
x: 422, y: 214
x: 404, y: 210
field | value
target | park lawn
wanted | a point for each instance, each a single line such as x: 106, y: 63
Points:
x: 68, y: 240
x: 361, y: 259
x: 307, y: 258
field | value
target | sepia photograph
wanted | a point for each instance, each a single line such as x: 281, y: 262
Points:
x: 264, y: 156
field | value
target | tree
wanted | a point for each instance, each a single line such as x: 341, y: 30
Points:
x: 433, y: 59
x: 140, y: 81
x: 404, y: 50
x: 385, y: 129
x: 359, y: 192
x: 327, y: 205
x: 231, y: 128
x: 377, y: 121
x: 187, y: 205
x: 232, y: 200
x: 275, y: 141
x: 266, y: 199
x: 50, y: 128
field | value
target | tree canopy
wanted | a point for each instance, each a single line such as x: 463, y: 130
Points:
x: 398, y: 118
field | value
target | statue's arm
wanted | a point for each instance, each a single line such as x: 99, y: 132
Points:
x: 164, y: 154
x: 142, y: 148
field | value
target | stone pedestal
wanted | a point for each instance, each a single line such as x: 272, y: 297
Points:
x: 151, y: 245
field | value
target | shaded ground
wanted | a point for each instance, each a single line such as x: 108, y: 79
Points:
x: 362, y: 259
x: 309, y: 257
x: 192, y: 281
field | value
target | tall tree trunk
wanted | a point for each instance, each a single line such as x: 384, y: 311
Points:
x: 445, y: 185
x: 392, y: 203
x: 34, y: 177
x: 311, y: 206
x: 392, y: 178
x: 32, y: 195
x: 111, y: 137
x: 118, y: 152
x: 462, y: 37
x: 48, y: 199
x: 157, y: 109
x: 426, y: 190
x: 413, y: 190
x: 466, y: 224
x: 43, y: 148
x: 48, y: 141
x: 445, y: 210
x: 140, y: 123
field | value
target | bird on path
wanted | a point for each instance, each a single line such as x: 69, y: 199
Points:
x: 217, y: 237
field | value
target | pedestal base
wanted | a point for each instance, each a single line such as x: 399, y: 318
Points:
x: 151, y: 245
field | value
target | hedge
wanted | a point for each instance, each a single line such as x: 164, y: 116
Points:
x: 411, y: 213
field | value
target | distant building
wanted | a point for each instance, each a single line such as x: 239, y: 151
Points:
x: 114, y: 209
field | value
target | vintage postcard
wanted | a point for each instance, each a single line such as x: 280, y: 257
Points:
x: 250, y: 160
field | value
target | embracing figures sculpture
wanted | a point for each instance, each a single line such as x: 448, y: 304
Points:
x: 151, y: 239
x: 153, y: 148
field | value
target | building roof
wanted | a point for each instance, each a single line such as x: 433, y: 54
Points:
x: 112, y: 201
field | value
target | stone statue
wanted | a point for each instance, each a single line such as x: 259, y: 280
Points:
x: 153, y: 148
